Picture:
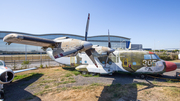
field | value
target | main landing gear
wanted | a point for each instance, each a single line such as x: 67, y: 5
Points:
x: 142, y: 76
x: 91, y: 73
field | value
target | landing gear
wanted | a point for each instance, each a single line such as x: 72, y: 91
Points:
x: 142, y: 76
x: 84, y: 72
x: 1, y: 93
x: 92, y: 74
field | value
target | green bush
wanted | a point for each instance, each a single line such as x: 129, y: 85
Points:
x: 41, y: 66
x: 165, y: 57
x: 25, y: 64
x: 174, y: 57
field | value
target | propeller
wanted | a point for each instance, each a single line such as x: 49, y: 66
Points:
x: 88, y: 52
x: 111, y: 50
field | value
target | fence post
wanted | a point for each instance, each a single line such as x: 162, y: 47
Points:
x: 14, y: 66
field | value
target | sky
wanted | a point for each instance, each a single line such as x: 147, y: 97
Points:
x: 153, y: 23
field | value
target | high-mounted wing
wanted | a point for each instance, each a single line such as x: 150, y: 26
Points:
x: 28, y: 40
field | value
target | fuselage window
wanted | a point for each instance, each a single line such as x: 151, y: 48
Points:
x: 147, y: 56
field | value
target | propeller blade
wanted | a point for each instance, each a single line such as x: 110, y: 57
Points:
x: 107, y: 59
x: 109, y: 43
x: 88, y: 52
x: 113, y: 54
x: 87, y: 26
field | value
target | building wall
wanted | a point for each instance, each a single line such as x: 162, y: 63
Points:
x: 136, y: 46
x: 102, y: 40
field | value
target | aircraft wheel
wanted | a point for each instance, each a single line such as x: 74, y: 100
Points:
x: 1, y: 94
x: 142, y: 76
x: 92, y: 74
x: 84, y: 72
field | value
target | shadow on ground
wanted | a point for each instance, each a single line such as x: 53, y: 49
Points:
x: 120, y: 88
x: 15, y: 91
x: 124, y: 86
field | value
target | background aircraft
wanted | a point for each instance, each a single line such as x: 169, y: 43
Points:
x: 6, y: 76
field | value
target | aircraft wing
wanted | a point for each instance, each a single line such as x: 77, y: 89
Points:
x: 28, y: 40
x: 18, y: 71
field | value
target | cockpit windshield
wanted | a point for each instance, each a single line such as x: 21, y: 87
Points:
x: 157, y: 56
x: 154, y: 56
x: 150, y: 56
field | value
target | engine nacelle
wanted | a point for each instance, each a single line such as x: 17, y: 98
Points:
x: 6, y: 75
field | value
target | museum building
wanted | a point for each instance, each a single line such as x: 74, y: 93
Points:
x: 102, y: 40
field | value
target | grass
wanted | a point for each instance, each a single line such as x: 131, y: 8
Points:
x: 65, y: 82
x: 169, y: 81
x: 47, y: 86
x: 27, y: 76
x: 96, y: 84
x: 47, y: 81
x: 68, y: 74
x: 77, y: 87
x: 89, y: 75
x: 75, y: 72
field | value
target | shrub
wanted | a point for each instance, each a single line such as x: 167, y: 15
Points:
x: 25, y: 64
x: 41, y: 66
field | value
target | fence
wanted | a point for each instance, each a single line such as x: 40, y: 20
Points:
x: 35, y: 60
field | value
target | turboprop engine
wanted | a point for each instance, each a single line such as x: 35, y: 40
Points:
x: 6, y: 75
x: 102, y: 51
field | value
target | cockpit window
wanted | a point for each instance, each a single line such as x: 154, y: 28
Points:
x: 156, y: 56
x: 1, y: 64
x: 147, y: 56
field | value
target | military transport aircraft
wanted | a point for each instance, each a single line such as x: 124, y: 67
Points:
x: 6, y: 76
x: 109, y: 61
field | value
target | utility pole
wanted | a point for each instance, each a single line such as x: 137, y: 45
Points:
x: 26, y: 52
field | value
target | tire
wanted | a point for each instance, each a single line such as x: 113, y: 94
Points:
x: 92, y: 73
x: 84, y: 72
x: 2, y: 94
x: 142, y: 76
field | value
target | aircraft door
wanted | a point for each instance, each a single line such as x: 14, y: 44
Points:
x: 125, y: 62
x: 126, y: 58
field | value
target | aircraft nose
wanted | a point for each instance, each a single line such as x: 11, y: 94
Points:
x: 87, y: 45
x: 170, y: 66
